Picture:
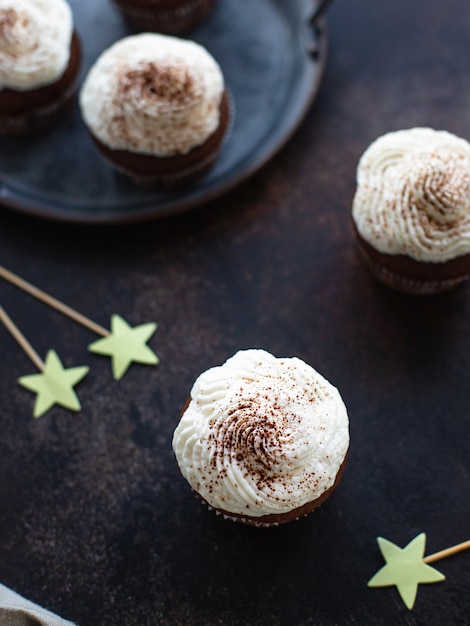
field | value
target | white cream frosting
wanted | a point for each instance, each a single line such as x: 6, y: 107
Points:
x: 153, y: 94
x: 35, y: 37
x: 413, y: 195
x: 261, y: 435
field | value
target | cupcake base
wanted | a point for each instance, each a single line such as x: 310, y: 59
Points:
x: 407, y: 275
x: 174, y: 171
x: 169, y: 17
x: 37, y: 110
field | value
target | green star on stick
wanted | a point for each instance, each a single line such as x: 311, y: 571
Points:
x: 54, y: 385
x: 405, y: 568
x: 125, y: 344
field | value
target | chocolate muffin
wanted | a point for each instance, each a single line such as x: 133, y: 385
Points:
x: 157, y: 108
x: 262, y: 440
x: 170, y: 17
x: 411, y: 210
x: 40, y: 59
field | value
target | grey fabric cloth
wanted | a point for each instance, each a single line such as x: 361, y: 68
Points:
x: 17, y: 611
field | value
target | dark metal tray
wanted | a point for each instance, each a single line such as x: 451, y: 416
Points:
x: 272, y: 54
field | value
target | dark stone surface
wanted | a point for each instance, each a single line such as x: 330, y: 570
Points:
x: 96, y: 522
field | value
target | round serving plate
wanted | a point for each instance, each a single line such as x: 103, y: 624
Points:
x: 272, y: 54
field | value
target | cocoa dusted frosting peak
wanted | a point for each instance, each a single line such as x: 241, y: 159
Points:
x: 153, y: 94
x: 171, y: 88
x: 261, y: 435
x: 413, y: 195
x: 35, y: 37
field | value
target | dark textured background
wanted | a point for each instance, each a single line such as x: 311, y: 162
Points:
x: 96, y: 522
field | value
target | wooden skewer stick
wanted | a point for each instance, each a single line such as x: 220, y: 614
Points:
x: 465, y: 545
x: 53, y: 302
x: 21, y: 339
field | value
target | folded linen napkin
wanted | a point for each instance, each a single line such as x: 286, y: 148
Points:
x: 17, y: 611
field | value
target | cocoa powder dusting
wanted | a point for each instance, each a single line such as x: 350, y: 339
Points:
x: 8, y: 18
x: 169, y: 82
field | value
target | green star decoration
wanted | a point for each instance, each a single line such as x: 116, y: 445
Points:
x: 54, y: 385
x: 126, y: 344
x: 405, y: 568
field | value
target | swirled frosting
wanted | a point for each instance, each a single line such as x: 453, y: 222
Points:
x: 153, y: 94
x: 413, y: 195
x: 261, y: 435
x: 35, y: 38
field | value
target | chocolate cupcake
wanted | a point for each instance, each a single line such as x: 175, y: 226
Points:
x: 411, y: 210
x: 262, y: 440
x: 170, y: 17
x: 157, y: 108
x: 39, y: 64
